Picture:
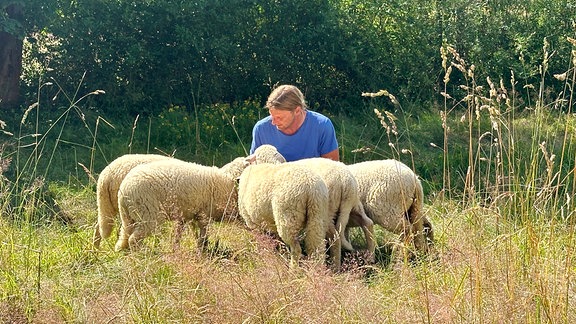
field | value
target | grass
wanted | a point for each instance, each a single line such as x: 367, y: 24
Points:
x: 485, y: 269
x: 500, y: 183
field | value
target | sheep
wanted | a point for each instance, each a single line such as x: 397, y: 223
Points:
x: 343, y: 197
x: 392, y: 197
x: 287, y: 200
x: 107, y: 190
x: 175, y: 190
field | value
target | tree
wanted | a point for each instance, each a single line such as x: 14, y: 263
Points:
x: 11, y: 40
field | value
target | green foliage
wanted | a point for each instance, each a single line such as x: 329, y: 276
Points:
x: 504, y: 38
x: 149, y: 55
x: 42, y: 50
x: 193, y: 52
x: 219, y: 132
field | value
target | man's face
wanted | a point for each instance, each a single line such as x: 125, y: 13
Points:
x: 283, y: 119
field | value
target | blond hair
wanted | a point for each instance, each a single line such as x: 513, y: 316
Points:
x: 286, y: 97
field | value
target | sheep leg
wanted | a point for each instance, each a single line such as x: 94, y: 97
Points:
x: 202, y: 238
x: 289, y: 234
x: 136, y: 238
x: 354, y: 220
x: 410, y: 236
x: 335, y: 246
x: 316, y: 228
x: 97, y: 238
x: 421, y: 227
x: 346, y: 245
x: 367, y: 227
x: 295, y: 250
x: 107, y: 201
x: 428, y: 231
x: 368, y: 230
x: 141, y: 230
x: 178, y: 233
x: 127, y: 223
x: 417, y: 231
x: 401, y: 251
x: 358, y: 217
x: 125, y: 231
x: 105, y: 224
x: 341, y: 223
x: 145, y: 226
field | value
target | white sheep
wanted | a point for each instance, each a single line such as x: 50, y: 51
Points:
x: 107, y: 190
x: 392, y: 197
x: 343, y: 197
x: 176, y: 190
x: 288, y: 200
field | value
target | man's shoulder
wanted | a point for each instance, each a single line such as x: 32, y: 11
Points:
x: 316, y: 114
x: 264, y: 121
x: 319, y: 118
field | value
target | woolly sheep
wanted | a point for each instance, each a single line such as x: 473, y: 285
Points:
x: 343, y: 197
x: 392, y: 197
x: 175, y: 190
x: 288, y: 200
x: 107, y: 190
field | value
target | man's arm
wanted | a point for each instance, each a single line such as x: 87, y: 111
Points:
x: 334, y: 155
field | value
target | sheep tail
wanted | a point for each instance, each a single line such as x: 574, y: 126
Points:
x: 106, y: 213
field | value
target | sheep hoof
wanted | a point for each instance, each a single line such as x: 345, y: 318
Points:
x: 347, y: 246
x: 120, y: 246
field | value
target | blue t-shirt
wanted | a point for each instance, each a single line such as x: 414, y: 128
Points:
x: 315, y: 137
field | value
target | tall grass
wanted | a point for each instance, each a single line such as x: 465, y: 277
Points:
x: 518, y: 184
x: 518, y: 157
x: 503, y: 214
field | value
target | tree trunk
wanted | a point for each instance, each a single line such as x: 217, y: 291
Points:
x: 10, y: 62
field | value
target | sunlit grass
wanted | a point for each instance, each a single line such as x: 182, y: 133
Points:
x: 485, y: 268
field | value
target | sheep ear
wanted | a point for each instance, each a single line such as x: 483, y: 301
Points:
x: 251, y: 159
x: 280, y: 158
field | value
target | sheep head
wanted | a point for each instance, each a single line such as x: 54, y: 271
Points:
x: 267, y: 154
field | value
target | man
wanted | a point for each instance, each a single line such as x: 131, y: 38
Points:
x: 295, y: 131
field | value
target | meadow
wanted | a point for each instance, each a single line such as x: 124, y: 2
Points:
x: 499, y: 176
